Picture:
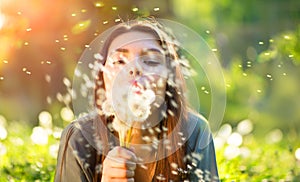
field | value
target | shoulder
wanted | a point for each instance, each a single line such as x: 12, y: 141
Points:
x: 198, y: 130
x: 78, y: 135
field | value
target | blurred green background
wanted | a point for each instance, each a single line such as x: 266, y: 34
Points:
x: 257, y: 44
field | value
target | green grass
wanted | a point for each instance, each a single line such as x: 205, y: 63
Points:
x: 26, y: 161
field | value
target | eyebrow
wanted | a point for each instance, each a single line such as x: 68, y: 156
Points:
x: 122, y: 50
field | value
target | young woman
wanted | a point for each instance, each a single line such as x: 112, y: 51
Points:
x: 164, y: 139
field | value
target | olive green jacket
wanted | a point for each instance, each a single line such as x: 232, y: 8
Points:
x: 77, y: 151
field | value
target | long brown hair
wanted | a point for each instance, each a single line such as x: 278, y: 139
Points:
x: 176, y: 117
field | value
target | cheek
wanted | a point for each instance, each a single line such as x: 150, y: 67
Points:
x: 160, y: 86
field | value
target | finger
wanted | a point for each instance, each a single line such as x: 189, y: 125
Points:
x: 120, y: 163
x: 119, y: 173
x: 124, y: 153
x: 122, y: 180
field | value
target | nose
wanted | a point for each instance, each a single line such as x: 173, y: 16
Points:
x: 135, y: 72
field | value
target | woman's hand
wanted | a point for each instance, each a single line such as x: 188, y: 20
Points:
x: 119, y: 165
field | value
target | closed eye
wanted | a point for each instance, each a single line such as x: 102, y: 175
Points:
x: 151, y: 63
x: 119, y: 62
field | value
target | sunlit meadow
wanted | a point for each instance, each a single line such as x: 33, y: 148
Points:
x: 257, y: 42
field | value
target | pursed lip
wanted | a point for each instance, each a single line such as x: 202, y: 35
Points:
x: 137, y: 87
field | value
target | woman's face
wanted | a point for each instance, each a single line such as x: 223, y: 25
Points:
x: 135, y: 62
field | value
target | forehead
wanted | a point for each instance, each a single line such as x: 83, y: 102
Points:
x: 134, y: 39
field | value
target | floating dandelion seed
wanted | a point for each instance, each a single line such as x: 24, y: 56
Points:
x: 26, y: 43
x: 258, y: 91
x: 1, y: 78
x: 207, y: 31
x: 99, y: 4
x: 63, y: 48
x: 83, y: 11
x: 156, y: 9
x: 261, y: 43
x: 48, y: 78
x: 73, y: 14
x: 271, y: 40
x: 286, y: 37
x: 105, y: 22
x: 5, y: 61
x: 66, y: 82
x: 244, y: 74
x: 117, y: 20
x: 267, y: 54
x: 135, y: 9
x: 114, y: 8
x: 291, y: 55
x: 214, y: 50
x: 28, y: 29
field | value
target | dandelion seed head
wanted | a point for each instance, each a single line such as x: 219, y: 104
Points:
x: 219, y: 142
x: 3, y: 133
x: 274, y: 136
x: 45, y: 119
x: 57, y: 132
x: 235, y: 139
x: 231, y: 152
x: 3, y: 149
x: 245, y: 127
x: 2, y: 121
x: 66, y: 114
x: 225, y: 131
x: 39, y: 136
x: 53, y: 150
